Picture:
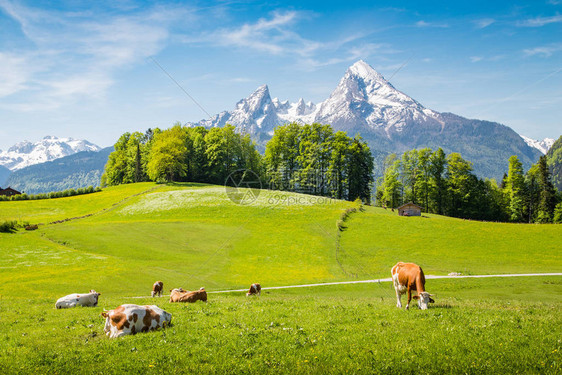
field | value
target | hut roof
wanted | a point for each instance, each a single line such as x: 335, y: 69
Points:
x: 409, y: 204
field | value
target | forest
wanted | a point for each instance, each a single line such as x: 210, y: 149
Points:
x: 446, y: 185
x: 313, y: 159
x: 310, y: 159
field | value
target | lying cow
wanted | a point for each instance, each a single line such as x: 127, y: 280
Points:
x: 157, y: 288
x: 408, y: 277
x: 180, y: 295
x: 130, y: 319
x: 255, y: 289
x: 84, y: 299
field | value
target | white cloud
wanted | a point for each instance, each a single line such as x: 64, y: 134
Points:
x: 475, y: 59
x: 272, y: 35
x: 540, y: 21
x: 484, y: 22
x: 77, y: 54
x: 423, y: 23
x: 15, y: 73
x: 276, y: 35
x: 544, y: 51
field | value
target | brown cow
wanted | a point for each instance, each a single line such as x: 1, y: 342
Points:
x: 157, y: 288
x: 255, y: 289
x: 407, y: 277
x: 180, y: 295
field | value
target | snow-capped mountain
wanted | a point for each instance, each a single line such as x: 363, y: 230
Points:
x: 24, y: 154
x: 364, y: 99
x: 365, y: 102
x: 543, y: 146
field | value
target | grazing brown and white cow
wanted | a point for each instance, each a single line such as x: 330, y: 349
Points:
x: 408, y: 277
x: 130, y: 319
x: 255, y: 289
x: 157, y: 288
x: 180, y: 295
x: 83, y: 299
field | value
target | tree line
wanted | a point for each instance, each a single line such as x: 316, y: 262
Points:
x: 51, y: 195
x: 301, y: 158
x: 444, y: 184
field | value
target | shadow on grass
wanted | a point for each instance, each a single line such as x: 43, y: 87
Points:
x: 442, y: 306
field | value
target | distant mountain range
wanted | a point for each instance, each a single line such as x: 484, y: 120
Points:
x: 364, y: 102
x: 81, y: 169
x: 543, y: 146
x: 4, y: 174
x: 27, y: 153
x: 389, y: 120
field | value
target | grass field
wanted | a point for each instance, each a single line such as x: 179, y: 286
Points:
x: 475, y: 327
x: 192, y: 235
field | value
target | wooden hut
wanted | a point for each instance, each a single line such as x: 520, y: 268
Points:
x: 409, y: 209
x: 9, y: 192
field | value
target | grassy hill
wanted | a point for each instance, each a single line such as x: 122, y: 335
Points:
x: 191, y: 235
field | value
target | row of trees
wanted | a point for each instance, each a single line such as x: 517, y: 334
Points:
x: 180, y: 154
x: 53, y: 194
x: 444, y: 184
x: 316, y: 160
x: 302, y: 158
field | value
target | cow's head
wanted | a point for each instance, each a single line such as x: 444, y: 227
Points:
x: 424, y: 299
x: 107, y: 327
x: 96, y: 296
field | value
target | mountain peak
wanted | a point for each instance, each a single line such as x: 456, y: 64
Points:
x: 365, y: 71
x: 262, y: 90
x: 543, y: 146
x: 27, y: 153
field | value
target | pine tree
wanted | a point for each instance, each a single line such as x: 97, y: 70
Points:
x: 438, y: 192
x: 547, y: 199
x: 516, y: 189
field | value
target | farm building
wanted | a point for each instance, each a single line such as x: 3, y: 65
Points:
x: 409, y: 209
x: 9, y: 192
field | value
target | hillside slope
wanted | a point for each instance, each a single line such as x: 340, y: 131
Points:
x: 192, y: 235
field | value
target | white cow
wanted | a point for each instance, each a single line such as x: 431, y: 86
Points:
x: 73, y: 300
x: 129, y: 319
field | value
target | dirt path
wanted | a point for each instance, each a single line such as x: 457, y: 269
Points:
x: 388, y: 279
x: 106, y: 209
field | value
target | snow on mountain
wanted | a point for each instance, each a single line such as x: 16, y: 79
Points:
x: 256, y: 113
x: 365, y: 103
x: 24, y: 154
x: 364, y: 99
x: 543, y: 146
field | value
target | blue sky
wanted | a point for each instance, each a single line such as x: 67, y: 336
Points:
x: 87, y: 70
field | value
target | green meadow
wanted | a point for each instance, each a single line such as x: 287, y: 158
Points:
x: 119, y: 241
